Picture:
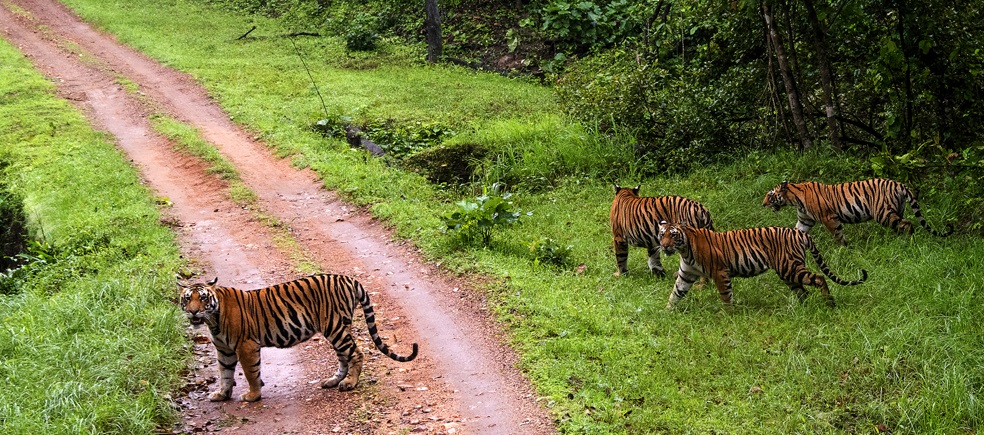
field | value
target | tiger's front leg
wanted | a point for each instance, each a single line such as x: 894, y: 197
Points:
x: 684, y: 280
x: 227, y: 370
x: 804, y: 222
x: 249, y: 359
x: 654, y: 264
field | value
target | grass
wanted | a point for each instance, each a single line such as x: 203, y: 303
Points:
x: 902, y: 350
x: 187, y: 139
x: 91, y: 342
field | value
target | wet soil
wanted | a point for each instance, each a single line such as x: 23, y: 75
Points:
x: 464, y: 380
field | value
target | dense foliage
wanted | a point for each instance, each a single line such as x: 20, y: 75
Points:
x: 693, y: 79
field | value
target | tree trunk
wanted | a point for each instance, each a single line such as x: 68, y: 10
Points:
x: 795, y: 105
x: 906, y: 136
x: 826, y: 76
x: 432, y: 22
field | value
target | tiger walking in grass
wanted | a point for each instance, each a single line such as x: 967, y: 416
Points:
x: 241, y: 322
x: 880, y: 199
x: 635, y: 221
x: 745, y: 253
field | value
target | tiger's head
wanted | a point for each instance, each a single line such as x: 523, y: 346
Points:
x: 199, y: 302
x: 671, y: 237
x: 634, y: 190
x: 776, y: 198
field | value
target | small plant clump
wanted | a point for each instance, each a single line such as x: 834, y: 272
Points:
x: 362, y: 36
x: 547, y: 251
x: 478, y: 218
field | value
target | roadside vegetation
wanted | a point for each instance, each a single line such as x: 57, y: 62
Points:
x: 899, y: 353
x: 91, y: 342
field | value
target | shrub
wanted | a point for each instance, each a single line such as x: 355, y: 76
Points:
x: 362, y: 35
x: 476, y: 219
x: 678, y: 120
x: 548, y: 252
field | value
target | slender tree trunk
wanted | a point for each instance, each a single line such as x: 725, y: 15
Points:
x: 906, y: 136
x: 826, y: 77
x: 432, y: 22
x: 795, y: 105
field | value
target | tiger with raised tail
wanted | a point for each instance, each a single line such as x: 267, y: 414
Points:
x: 881, y: 199
x: 241, y: 322
x: 745, y: 253
x: 635, y: 221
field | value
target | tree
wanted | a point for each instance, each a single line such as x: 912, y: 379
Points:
x: 826, y: 76
x: 433, y: 24
x: 788, y: 78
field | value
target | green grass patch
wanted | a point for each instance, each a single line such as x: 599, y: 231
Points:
x: 901, y: 350
x: 91, y: 342
x: 188, y: 139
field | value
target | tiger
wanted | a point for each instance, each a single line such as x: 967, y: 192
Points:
x: 849, y: 203
x: 719, y: 256
x: 635, y: 221
x: 241, y: 322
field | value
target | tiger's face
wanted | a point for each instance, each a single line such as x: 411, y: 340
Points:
x: 671, y: 237
x: 198, y: 301
x: 776, y: 198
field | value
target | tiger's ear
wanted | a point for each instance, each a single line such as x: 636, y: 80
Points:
x: 784, y: 186
x: 213, y: 281
x: 635, y: 190
x: 617, y: 187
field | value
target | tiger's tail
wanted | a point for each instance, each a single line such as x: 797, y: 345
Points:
x: 371, y: 324
x: 914, y: 203
x: 826, y: 270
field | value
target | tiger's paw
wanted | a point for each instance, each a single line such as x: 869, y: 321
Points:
x: 331, y: 383
x: 348, y: 384
x: 218, y: 396
x: 660, y: 273
x: 251, y: 396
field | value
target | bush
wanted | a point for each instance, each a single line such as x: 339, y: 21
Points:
x: 476, y: 219
x: 547, y: 251
x: 362, y: 35
x: 677, y: 122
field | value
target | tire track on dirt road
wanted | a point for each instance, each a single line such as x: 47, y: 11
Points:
x: 464, y: 381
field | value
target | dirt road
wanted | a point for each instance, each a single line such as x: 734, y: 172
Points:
x: 462, y: 382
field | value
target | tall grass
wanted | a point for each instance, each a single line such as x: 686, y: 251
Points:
x: 901, y: 350
x: 90, y: 342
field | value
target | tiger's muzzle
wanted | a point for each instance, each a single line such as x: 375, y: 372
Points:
x: 196, y: 318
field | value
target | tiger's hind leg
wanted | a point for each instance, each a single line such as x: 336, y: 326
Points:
x: 350, y: 360
x: 654, y: 264
x: 800, y: 277
x: 895, y: 221
x: 799, y: 291
x: 621, y: 257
